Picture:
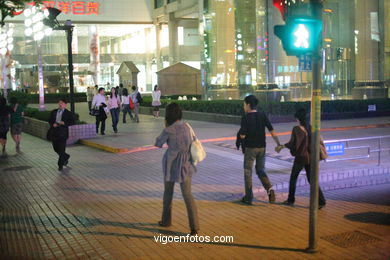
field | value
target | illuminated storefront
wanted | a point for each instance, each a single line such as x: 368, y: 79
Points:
x: 106, y: 33
x: 242, y: 55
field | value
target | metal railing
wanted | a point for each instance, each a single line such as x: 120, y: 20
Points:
x: 370, y: 150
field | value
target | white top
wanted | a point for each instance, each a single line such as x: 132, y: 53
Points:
x: 134, y: 96
x: 156, y: 95
x: 98, y: 99
x: 125, y: 100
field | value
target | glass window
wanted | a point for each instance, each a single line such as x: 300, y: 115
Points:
x: 158, y: 3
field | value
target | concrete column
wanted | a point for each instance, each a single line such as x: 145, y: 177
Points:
x: 158, y: 46
x: 367, y: 40
x: 94, y: 53
x: 148, y: 60
x: 173, y: 40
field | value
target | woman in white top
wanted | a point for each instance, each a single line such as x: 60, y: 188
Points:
x: 156, y: 103
x: 99, y: 102
x: 114, y: 104
x: 126, y: 105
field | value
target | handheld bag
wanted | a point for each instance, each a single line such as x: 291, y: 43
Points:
x: 94, y: 112
x: 131, y: 103
x: 197, y: 151
x: 323, y: 152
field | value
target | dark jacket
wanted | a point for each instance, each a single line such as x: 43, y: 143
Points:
x: 240, y: 142
x: 61, y: 132
x: 299, y: 145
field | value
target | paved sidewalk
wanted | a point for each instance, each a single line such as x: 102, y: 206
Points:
x: 106, y: 206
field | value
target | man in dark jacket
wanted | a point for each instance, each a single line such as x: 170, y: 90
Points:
x: 60, y: 119
x: 253, y: 141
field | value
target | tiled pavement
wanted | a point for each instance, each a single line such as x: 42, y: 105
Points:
x: 106, y: 206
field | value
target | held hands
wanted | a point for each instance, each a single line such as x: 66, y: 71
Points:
x: 279, y: 148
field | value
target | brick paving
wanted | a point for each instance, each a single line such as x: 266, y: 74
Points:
x: 106, y: 206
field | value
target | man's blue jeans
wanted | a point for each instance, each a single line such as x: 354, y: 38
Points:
x: 252, y: 155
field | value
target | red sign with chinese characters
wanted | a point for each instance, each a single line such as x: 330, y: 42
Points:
x: 74, y: 7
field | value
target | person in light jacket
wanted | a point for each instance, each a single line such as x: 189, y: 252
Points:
x: 99, y: 102
x: 126, y: 105
x: 114, y: 103
x: 156, y: 103
x: 135, y: 96
x: 177, y: 166
x: 299, y: 146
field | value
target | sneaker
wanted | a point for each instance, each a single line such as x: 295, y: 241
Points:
x: 161, y: 224
x: 271, y: 196
x: 246, y: 201
x: 321, y: 206
x: 288, y: 203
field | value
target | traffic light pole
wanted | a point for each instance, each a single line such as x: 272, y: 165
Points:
x: 69, y: 32
x: 315, y: 136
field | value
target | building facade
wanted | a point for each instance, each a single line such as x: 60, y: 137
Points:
x: 231, y: 41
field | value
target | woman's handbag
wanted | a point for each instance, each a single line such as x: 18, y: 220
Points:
x: 323, y: 152
x: 131, y: 103
x: 196, y: 149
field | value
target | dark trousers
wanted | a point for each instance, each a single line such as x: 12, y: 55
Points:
x: 126, y: 109
x: 115, y: 118
x: 103, y: 125
x: 89, y: 105
x: 192, y: 211
x: 59, y: 147
x: 296, y: 169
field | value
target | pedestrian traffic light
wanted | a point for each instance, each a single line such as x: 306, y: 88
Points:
x: 300, y: 35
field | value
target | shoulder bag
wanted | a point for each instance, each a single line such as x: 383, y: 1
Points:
x: 196, y: 149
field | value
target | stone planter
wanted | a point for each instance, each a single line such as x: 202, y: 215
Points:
x: 39, y: 129
x: 77, y: 132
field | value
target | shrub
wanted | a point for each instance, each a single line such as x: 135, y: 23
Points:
x: 54, y: 97
x: 23, y: 98
x: 45, y: 115
x: 234, y: 107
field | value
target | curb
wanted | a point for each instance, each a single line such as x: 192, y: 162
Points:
x: 330, y: 178
x: 103, y: 147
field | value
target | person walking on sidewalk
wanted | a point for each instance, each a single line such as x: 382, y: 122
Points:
x: 16, y: 122
x: 126, y: 105
x: 90, y: 94
x: 114, y: 104
x: 299, y: 146
x: 60, y: 119
x: 156, y: 103
x: 177, y: 166
x: 137, y: 99
x: 5, y: 112
x: 99, y: 103
x: 252, y: 131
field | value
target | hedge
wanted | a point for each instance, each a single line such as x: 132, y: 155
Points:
x: 53, y: 98
x: 235, y: 107
x: 45, y: 115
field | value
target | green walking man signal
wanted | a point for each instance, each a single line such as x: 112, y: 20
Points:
x: 300, y: 35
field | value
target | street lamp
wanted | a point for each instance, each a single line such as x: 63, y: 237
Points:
x: 52, y: 22
x: 36, y: 29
